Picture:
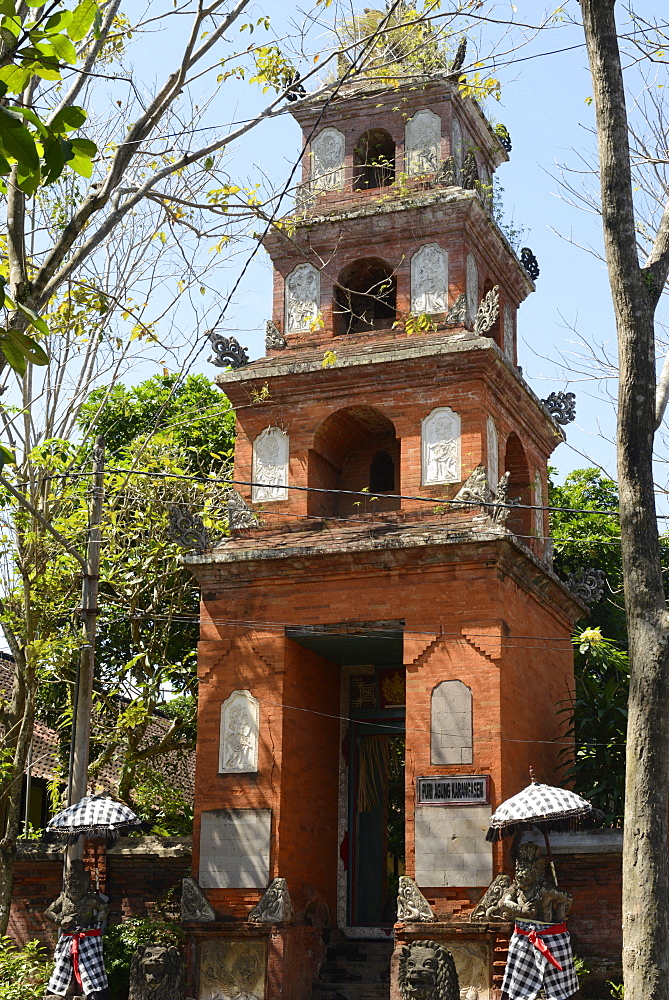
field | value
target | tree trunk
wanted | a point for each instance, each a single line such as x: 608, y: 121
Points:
x: 645, y: 857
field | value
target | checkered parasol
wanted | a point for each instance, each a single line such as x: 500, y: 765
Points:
x: 93, y: 816
x: 545, y: 806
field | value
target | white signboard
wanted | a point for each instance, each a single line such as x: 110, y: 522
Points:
x: 453, y: 790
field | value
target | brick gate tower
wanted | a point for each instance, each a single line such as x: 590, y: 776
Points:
x: 379, y: 665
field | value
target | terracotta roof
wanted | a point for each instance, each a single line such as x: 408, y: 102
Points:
x: 178, y: 767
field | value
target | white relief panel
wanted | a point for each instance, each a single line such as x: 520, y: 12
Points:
x: 302, y: 298
x: 472, y: 287
x: 429, y: 280
x: 493, y: 452
x: 456, y: 148
x: 422, y: 143
x: 238, y: 746
x: 270, y: 466
x: 440, y: 438
x: 538, y: 502
x: 327, y: 160
x: 508, y: 331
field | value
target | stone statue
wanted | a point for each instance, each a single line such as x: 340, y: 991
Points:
x: 80, y: 915
x: 540, y: 959
x: 531, y: 896
x: 275, y: 906
x: 426, y: 971
x: 411, y: 903
x: 156, y: 973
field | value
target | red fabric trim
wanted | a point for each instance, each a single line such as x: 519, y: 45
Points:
x: 534, y: 937
x: 74, y: 948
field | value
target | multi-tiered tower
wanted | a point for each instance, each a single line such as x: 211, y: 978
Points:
x: 378, y: 666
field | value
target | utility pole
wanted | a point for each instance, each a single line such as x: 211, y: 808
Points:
x: 89, y: 611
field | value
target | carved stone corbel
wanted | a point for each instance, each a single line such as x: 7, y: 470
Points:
x: 195, y: 907
x: 275, y: 906
x: 411, y: 903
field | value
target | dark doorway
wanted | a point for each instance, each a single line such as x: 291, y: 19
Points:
x: 374, y: 160
x: 364, y: 297
x: 376, y: 822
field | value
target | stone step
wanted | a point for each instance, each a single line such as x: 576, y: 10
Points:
x: 350, y: 991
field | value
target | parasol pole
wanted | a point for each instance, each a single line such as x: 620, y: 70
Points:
x: 78, y: 777
x: 549, y: 853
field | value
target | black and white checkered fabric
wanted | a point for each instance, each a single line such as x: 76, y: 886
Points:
x: 91, y: 966
x: 540, y: 803
x: 528, y: 971
x: 93, y: 816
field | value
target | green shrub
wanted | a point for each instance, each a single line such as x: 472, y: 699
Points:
x: 24, y: 972
x: 122, y: 940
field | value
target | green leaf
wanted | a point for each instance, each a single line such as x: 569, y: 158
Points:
x: 64, y: 48
x: 81, y: 165
x: 57, y: 21
x: 14, y: 357
x: 15, y: 78
x: 7, y: 7
x: 28, y: 180
x: 68, y: 119
x: 17, y: 142
x: 46, y: 72
x: 29, y: 115
x: 83, y: 17
x: 84, y: 147
x: 36, y: 321
x: 57, y: 153
x: 6, y: 456
x: 35, y: 3
x: 28, y: 347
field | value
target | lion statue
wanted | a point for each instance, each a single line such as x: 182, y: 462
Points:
x: 156, y: 973
x: 426, y: 971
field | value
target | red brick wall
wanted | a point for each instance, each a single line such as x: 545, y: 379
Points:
x: 134, y: 882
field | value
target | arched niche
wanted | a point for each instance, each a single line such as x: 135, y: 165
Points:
x: 327, y: 160
x: 270, y: 466
x: 451, y: 724
x: 422, y: 143
x: 354, y: 449
x: 364, y: 297
x: 515, y: 463
x: 429, y: 280
x: 302, y: 298
x: 373, y: 160
x: 440, y: 446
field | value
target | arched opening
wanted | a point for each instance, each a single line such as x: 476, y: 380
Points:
x: 382, y: 473
x: 495, y: 330
x: 364, y: 297
x: 373, y: 160
x: 355, y: 450
x: 519, y: 520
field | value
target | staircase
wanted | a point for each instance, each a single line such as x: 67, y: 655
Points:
x: 354, y: 970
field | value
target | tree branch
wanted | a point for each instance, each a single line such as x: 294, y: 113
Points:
x: 43, y: 521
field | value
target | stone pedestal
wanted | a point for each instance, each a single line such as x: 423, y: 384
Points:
x: 479, y: 951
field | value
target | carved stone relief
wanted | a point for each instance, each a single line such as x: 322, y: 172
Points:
x: 422, y: 143
x: 302, y: 298
x: 273, y: 339
x: 238, y: 748
x: 270, y: 466
x: 411, y: 903
x: 440, y: 438
x: 327, y: 164
x: 472, y: 964
x: 472, y: 287
x: 492, y: 445
x: 451, y: 737
x: 230, y: 970
x: 538, y: 502
x: 508, y: 331
x: 275, y: 906
x: 456, y: 149
x: 429, y: 280
x: 195, y: 907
